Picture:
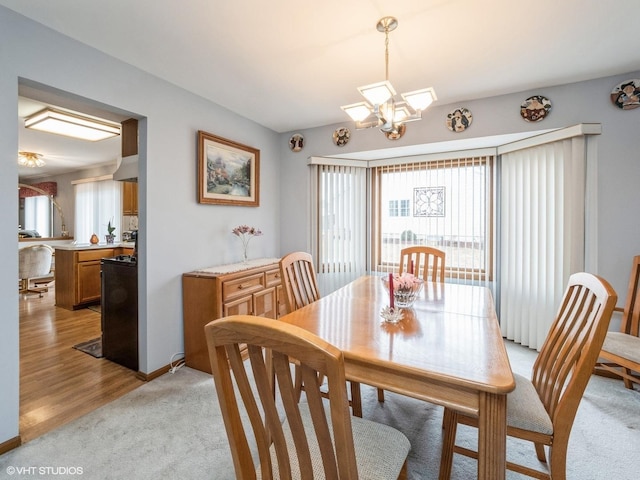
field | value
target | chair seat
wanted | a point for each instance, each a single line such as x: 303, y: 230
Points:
x: 622, y: 345
x: 380, y: 450
x: 525, y: 410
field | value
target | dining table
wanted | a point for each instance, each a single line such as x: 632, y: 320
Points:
x: 447, y: 349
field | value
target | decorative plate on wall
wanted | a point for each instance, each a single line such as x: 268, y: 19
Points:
x: 296, y: 142
x: 458, y: 120
x: 397, y: 134
x: 626, y: 95
x: 535, y: 108
x: 341, y: 136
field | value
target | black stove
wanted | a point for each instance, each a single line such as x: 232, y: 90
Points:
x: 120, y: 309
x: 122, y: 258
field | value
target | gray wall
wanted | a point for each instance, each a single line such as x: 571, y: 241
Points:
x: 179, y: 235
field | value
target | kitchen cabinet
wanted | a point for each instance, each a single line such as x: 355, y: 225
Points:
x: 216, y: 292
x: 130, y: 198
x: 77, y: 275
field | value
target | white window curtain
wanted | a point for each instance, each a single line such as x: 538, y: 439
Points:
x: 37, y: 215
x: 339, y: 244
x: 545, y: 231
x: 97, y: 204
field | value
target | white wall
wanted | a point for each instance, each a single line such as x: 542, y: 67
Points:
x: 177, y: 234
x: 585, y: 102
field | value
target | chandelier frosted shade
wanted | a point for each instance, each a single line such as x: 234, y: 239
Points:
x: 358, y: 111
x: 420, y: 99
x: 378, y: 93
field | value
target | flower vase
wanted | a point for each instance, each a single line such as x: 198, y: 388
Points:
x: 245, y: 259
x: 110, y: 239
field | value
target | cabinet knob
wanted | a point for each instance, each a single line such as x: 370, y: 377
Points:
x: 242, y: 286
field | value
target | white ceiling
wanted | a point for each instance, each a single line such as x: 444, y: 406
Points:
x: 291, y: 64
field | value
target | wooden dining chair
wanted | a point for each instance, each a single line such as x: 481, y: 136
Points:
x: 298, y: 280
x: 300, y: 286
x: 620, y: 352
x: 316, y: 439
x: 428, y: 263
x: 542, y: 410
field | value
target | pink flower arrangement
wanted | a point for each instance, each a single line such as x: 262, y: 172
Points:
x: 245, y: 233
x: 406, y: 281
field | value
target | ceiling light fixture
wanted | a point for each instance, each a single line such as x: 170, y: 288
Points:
x: 381, y: 108
x: 72, y: 125
x: 30, y: 159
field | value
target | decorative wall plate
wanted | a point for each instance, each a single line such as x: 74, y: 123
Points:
x: 535, y: 108
x: 626, y: 95
x: 341, y: 136
x: 296, y: 142
x: 458, y: 120
x: 397, y: 134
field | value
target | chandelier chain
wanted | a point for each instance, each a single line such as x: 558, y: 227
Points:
x: 386, y: 53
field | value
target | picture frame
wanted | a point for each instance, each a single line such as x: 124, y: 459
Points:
x: 228, y: 172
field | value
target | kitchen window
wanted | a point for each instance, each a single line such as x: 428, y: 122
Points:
x: 98, y: 201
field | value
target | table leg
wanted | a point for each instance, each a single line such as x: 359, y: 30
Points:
x: 492, y: 437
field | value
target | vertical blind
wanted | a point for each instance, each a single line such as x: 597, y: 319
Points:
x: 542, y: 224
x: 448, y: 207
x: 37, y: 215
x: 341, y: 239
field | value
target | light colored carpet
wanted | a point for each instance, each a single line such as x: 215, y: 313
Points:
x: 171, y: 428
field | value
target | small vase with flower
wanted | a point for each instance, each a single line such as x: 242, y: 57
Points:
x: 245, y: 233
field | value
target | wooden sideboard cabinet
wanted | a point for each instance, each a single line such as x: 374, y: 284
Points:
x: 216, y: 292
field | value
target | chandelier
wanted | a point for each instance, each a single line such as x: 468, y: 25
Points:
x: 382, y: 109
x: 30, y: 159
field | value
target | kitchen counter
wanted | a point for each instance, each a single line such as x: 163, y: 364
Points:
x: 89, y: 246
x: 77, y: 274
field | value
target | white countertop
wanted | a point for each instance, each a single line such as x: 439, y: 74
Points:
x: 89, y: 246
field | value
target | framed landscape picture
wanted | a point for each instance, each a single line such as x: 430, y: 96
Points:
x: 228, y: 172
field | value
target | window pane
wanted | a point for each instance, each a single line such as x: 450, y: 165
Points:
x: 37, y: 215
x: 97, y: 204
x: 448, y: 210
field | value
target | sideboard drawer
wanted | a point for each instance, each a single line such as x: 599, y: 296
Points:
x: 242, y: 286
x: 273, y: 278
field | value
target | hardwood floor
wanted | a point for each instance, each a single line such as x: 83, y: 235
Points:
x: 57, y: 382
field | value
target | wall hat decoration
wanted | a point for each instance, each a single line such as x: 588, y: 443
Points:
x: 535, y: 108
x: 228, y: 172
x: 626, y: 95
x: 458, y: 120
